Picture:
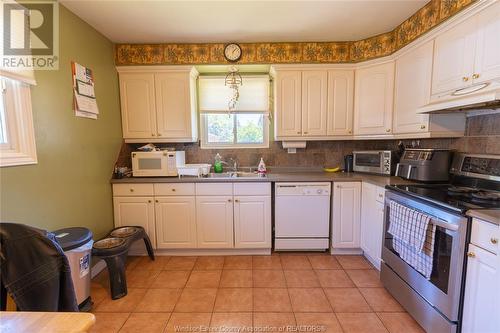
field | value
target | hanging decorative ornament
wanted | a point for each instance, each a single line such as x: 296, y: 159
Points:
x: 233, y: 80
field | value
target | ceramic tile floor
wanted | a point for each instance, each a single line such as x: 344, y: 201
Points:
x: 277, y: 293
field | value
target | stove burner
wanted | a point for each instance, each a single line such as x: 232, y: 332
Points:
x: 486, y: 196
x: 461, y: 191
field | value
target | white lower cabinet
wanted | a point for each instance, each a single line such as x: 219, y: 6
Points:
x: 252, y: 222
x: 214, y: 221
x: 175, y: 222
x: 372, y: 222
x: 482, y: 282
x: 346, y: 215
x: 136, y: 211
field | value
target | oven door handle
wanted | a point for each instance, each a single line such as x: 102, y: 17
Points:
x: 445, y: 225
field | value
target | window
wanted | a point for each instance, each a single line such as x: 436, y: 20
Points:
x: 245, y: 127
x: 17, y: 139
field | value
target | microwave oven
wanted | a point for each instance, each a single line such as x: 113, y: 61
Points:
x: 161, y: 163
x: 381, y: 162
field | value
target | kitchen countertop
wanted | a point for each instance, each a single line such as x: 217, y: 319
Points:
x: 278, y: 176
x: 490, y: 215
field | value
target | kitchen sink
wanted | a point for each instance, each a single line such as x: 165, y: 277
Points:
x: 234, y: 174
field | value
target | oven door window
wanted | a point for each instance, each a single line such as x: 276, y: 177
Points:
x: 443, y: 245
x: 367, y: 160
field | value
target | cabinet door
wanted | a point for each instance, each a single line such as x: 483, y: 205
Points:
x: 340, y: 102
x: 136, y: 211
x: 175, y: 222
x: 487, y: 59
x: 288, y: 103
x: 314, y: 102
x: 173, y: 105
x: 214, y: 221
x: 252, y: 222
x: 346, y: 215
x: 368, y: 196
x: 412, y: 90
x: 137, y: 97
x: 454, y: 58
x: 482, y: 292
x: 374, y: 91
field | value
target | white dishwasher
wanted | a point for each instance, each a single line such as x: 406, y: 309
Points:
x: 302, y: 216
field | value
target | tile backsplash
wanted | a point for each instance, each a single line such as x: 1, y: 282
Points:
x: 482, y: 137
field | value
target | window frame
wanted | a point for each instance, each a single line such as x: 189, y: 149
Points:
x: 204, y: 144
x: 20, y: 148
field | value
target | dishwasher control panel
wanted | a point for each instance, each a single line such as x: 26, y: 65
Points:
x: 320, y: 188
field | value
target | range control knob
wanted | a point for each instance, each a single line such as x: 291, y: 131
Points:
x: 319, y: 191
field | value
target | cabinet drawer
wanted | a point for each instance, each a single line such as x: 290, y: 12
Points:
x: 214, y: 189
x: 485, y: 235
x: 132, y: 189
x: 379, y: 194
x: 174, y: 189
x: 252, y: 188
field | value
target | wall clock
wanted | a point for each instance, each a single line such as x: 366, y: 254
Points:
x: 232, y: 52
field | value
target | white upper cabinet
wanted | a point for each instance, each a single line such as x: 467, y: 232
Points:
x: 454, y: 58
x: 373, y: 99
x: 340, y: 102
x: 468, y: 53
x: 288, y: 103
x: 158, y: 105
x: 314, y: 102
x: 174, y: 105
x: 487, y: 58
x: 137, y: 97
x: 412, y: 90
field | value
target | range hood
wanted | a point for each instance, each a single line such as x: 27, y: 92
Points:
x: 467, y: 99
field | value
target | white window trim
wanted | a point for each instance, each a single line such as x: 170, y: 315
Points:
x: 204, y: 144
x: 21, y: 147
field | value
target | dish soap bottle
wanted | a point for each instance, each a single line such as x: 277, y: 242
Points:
x: 261, y: 169
x: 218, y: 163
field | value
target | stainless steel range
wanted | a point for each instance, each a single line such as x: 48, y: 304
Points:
x: 433, y: 298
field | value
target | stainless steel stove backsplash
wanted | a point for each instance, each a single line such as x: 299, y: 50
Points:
x: 482, y: 137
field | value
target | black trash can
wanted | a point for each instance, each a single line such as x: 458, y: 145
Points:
x: 76, y: 243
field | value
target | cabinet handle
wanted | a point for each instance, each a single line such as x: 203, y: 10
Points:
x: 173, y: 190
x: 494, y: 241
x: 159, y: 134
x: 471, y: 254
x: 465, y: 79
x: 380, y: 195
x: 298, y: 132
x: 349, y: 131
x: 475, y: 76
x: 236, y: 200
x: 388, y: 130
x: 149, y: 201
x: 306, y: 132
x: 152, y: 134
x: 338, y: 186
x: 156, y: 201
x: 422, y: 126
x: 131, y: 190
x: 229, y: 200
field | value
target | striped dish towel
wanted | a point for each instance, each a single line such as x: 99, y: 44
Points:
x: 413, y: 237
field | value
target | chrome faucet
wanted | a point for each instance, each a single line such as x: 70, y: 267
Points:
x: 234, y: 162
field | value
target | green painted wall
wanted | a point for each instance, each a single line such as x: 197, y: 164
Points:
x: 70, y: 184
